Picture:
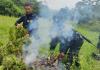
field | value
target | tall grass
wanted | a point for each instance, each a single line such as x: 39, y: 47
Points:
x: 5, y: 24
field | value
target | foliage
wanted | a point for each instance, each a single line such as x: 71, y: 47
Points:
x: 87, y: 63
x: 10, y: 62
x: 7, y: 7
x: 88, y: 10
x: 11, y: 53
x: 14, y: 7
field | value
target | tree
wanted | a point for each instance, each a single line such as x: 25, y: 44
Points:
x: 15, y: 7
x: 88, y: 10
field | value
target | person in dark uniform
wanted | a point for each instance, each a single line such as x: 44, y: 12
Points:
x: 27, y: 18
x: 71, y: 48
x: 74, y: 48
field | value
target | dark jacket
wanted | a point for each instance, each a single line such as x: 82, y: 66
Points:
x: 26, y: 19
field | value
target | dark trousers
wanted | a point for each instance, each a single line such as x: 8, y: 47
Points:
x: 73, y: 51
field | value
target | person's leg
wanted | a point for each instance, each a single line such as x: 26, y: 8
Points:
x: 64, y: 46
x: 76, y: 56
x: 78, y: 45
x: 69, y: 59
x: 75, y: 46
x: 72, y: 53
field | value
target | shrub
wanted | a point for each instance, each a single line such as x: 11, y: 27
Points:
x: 10, y: 62
x: 14, y: 7
x: 11, y: 53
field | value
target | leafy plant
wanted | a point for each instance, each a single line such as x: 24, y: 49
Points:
x: 14, y: 7
x: 10, y: 62
x: 11, y: 53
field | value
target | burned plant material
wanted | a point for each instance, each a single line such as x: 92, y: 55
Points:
x: 50, y: 63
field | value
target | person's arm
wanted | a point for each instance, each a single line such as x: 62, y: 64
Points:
x: 18, y: 22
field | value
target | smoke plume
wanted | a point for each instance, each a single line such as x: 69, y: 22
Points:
x: 52, y: 22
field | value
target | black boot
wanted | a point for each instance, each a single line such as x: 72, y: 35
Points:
x: 68, y: 66
x: 77, y: 63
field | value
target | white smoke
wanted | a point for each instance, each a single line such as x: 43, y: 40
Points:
x: 58, y: 4
x: 38, y: 38
x: 49, y: 25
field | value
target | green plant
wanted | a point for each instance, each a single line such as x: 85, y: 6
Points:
x: 14, y: 7
x: 11, y: 53
x: 10, y: 62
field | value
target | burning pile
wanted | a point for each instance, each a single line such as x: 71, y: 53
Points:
x: 50, y: 63
x: 45, y: 63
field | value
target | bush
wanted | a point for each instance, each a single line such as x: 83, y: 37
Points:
x: 11, y: 53
x: 17, y: 37
x: 14, y: 7
x: 7, y: 7
x: 10, y: 62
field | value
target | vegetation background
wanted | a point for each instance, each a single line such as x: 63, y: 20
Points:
x: 11, y: 9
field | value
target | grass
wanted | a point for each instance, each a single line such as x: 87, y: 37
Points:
x: 87, y: 62
x: 5, y: 23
